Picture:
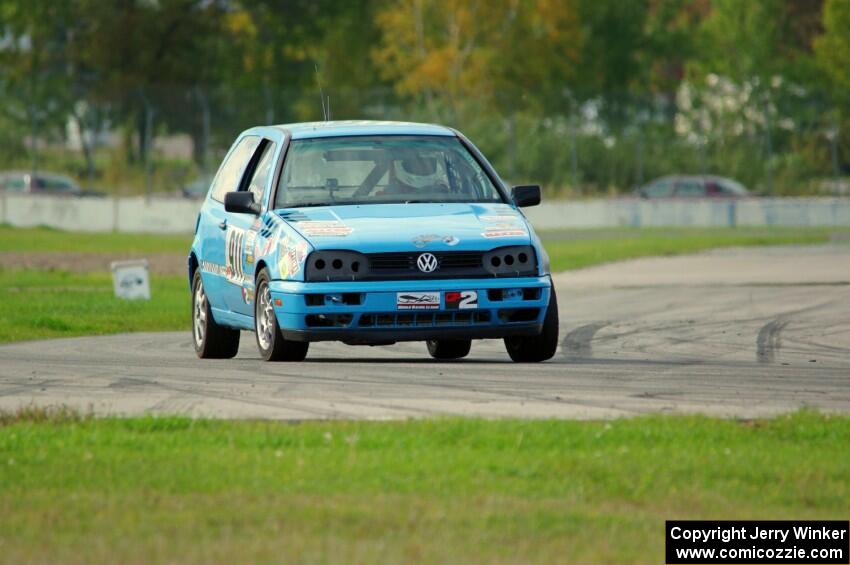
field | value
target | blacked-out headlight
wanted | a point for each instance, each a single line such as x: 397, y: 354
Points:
x: 335, y: 266
x: 514, y: 260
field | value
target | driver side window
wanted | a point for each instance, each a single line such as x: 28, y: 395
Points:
x: 231, y: 171
x: 262, y: 171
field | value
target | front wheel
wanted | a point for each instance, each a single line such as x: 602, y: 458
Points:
x: 270, y: 342
x: 533, y: 349
x: 211, y: 340
x: 449, y: 348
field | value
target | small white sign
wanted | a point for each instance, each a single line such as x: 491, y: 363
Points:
x: 131, y: 280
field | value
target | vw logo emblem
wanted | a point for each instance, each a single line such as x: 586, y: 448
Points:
x: 427, y: 263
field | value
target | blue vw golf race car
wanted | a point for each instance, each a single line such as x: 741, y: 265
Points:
x: 369, y: 233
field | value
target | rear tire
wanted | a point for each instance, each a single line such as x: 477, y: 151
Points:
x: 445, y: 349
x: 270, y: 342
x: 533, y: 349
x: 211, y: 340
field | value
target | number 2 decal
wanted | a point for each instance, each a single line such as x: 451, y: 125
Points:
x: 461, y: 300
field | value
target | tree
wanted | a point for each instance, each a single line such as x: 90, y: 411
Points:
x: 32, y: 57
x: 833, y: 47
x: 509, y: 55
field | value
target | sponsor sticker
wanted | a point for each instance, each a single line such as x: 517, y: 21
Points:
x: 329, y: 228
x: 504, y: 232
x: 265, y: 249
x: 291, y: 256
x: 250, y: 242
x: 461, y: 300
x: 499, y: 219
x: 212, y: 268
x: 423, y: 240
x: 418, y: 300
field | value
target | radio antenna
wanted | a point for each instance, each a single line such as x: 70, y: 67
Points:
x: 326, y: 110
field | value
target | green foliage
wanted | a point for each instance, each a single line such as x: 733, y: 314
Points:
x: 739, y: 39
x: 582, y: 96
x: 833, y: 47
x: 448, y: 490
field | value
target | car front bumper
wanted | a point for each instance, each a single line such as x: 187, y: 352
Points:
x: 368, y: 312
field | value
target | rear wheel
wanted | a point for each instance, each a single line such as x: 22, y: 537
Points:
x: 449, y: 348
x: 270, y: 342
x: 211, y: 340
x: 533, y: 349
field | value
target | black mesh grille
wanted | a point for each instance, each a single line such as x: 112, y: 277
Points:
x: 450, y: 264
x: 424, y: 319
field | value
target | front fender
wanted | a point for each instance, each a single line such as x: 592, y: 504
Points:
x: 282, y: 249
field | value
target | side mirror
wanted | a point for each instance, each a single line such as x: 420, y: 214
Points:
x: 241, y: 203
x: 526, y: 195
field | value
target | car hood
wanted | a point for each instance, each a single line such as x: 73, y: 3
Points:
x: 376, y: 228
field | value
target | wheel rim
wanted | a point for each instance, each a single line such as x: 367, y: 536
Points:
x: 200, y: 315
x: 265, y: 319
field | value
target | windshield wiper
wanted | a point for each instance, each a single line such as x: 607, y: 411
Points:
x: 314, y: 204
x: 306, y: 205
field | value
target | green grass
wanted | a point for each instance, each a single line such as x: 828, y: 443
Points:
x: 48, y: 239
x: 569, y: 249
x: 58, y: 304
x: 174, y: 489
x: 574, y: 249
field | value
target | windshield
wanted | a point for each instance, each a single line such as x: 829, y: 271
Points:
x: 376, y: 170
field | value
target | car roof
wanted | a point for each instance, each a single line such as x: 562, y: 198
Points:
x: 692, y: 177
x: 37, y: 174
x: 310, y: 130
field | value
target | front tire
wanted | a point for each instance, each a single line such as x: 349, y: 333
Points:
x: 211, y: 340
x: 445, y: 349
x: 534, y: 349
x: 270, y: 342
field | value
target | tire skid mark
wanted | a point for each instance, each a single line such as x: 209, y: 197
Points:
x: 578, y: 343
x: 769, y: 340
x: 270, y: 403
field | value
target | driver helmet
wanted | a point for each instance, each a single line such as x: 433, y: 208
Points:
x: 419, y: 172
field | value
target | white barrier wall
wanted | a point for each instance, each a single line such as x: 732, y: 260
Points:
x: 175, y: 215
x: 156, y: 215
x: 702, y: 213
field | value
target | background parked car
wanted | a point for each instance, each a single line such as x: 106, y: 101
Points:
x: 26, y: 182
x: 197, y: 188
x: 693, y: 187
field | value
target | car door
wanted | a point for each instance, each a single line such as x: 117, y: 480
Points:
x: 242, y: 231
x: 662, y: 188
x: 213, y: 224
x: 690, y: 188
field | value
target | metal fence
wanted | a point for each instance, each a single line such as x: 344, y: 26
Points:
x: 777, y: 140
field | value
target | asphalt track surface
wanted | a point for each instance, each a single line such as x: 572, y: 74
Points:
x: 740, y: 332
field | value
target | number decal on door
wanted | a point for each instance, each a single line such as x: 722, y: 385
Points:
x: 233, y: 255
